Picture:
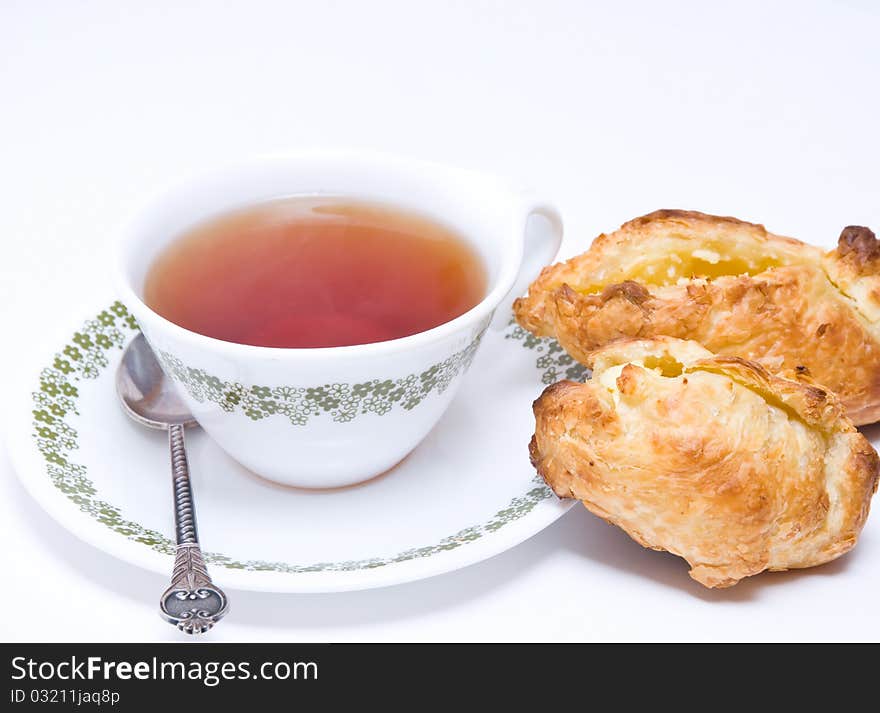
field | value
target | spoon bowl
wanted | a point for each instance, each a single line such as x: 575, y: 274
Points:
x: 146, y: 394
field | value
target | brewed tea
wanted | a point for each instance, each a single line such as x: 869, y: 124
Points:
x: 315, y: 272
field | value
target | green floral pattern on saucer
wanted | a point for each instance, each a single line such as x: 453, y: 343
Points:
x: 86, y: 356
x: 555, y: 361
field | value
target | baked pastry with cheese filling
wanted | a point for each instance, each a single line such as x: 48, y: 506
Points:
x: 731, y: 286
x: 709, y: 457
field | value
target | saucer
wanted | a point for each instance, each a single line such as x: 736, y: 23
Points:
x: 466, y: 493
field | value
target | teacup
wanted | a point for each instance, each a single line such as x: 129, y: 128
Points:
x: 329, y: 417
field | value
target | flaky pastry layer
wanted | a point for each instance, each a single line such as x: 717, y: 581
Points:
x: 711, y: 458
x: 731, y: 286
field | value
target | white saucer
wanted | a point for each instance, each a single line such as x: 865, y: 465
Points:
x: 465, y: 494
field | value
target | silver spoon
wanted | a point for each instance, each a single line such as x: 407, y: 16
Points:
x: 192, y: 602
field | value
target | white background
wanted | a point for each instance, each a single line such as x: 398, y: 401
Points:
x: 766, y: 111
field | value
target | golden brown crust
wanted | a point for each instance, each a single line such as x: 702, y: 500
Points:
x: 730, y: 285
x: 711, y: 458
x: 858, y: 246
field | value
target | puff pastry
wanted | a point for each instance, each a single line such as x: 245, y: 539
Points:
x: 711, y: 458
x: 731, y: 286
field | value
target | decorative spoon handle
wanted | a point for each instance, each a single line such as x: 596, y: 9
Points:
x: 192, y: 603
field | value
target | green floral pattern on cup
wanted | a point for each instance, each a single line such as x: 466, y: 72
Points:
x: 86, y: 356
x: 342, y: 402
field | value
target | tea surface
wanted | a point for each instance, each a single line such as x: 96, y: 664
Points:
x: 315, y: 272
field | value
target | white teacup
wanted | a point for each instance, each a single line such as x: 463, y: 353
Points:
x: 329, y: 417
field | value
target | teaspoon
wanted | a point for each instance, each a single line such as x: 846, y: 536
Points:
x: 192, y: 602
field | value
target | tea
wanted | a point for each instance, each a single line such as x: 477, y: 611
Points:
x: 315, y: 272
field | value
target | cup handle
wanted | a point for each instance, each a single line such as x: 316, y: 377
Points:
x: 542, y: 236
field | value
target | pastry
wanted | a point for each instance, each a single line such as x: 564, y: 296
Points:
x: 733, y: 287
x: 709, y: 457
